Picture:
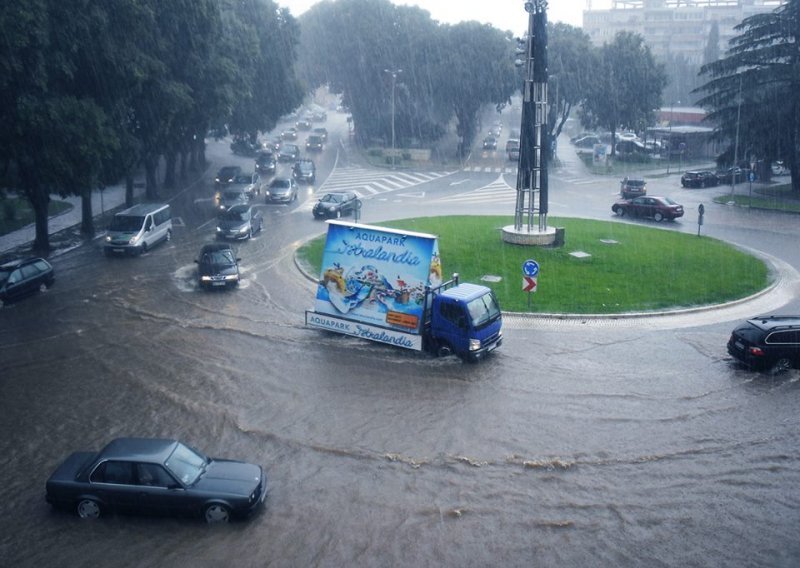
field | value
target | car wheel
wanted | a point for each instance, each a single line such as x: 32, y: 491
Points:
x: 217, y: 513
x: 143, y: 249
x: 620, y: 211
x: 42, y: 287
x: 250, y: 233
x: 88, y: 509
x: 782, y: 365
x: 444, y: 350
x: 658, y: 217
x: 168, y: 238
x: 338, y: 213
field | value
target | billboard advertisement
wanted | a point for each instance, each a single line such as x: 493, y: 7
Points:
x: 377, y: 276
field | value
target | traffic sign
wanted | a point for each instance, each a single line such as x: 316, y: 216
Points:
x: 530, y: 268
x: 529, y: 283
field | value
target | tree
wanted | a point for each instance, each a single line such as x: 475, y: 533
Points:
x: 571, y: 58
x: 753, y: 88
x: 626, y: 87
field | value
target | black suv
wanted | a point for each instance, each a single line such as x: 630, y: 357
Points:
x: 699, y: 179
x: 304, y: 171
x: 770, y: 343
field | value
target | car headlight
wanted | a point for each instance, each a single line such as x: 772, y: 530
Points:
x: 232, y: 277
x: 219, y: 229
x: 205, y: 278
x: 108, y: 238
x: 133, y: 240
x: 243, y: 229
x: 474, y: 344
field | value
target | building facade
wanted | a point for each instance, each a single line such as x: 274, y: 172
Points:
x: 673, y: 27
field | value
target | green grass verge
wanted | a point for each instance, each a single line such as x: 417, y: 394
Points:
x: 16, y: 213
x: 777, y: 198
x: 646, y: 269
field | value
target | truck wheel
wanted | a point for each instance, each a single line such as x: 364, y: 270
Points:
x: 444, y: 350
x: 88, y: 509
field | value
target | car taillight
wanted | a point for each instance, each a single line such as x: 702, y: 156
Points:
x: 757, y: 351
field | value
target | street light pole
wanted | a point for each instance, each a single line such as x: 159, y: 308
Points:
x: 394, y: 73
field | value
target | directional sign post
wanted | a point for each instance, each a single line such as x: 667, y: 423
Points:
x: 530, y: 278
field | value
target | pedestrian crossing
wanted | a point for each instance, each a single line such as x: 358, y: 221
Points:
x: 368, y: 182
x: 496, y: 192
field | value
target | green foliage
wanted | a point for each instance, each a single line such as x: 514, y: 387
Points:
x: 626, y: 85
x: 753, y: 89
x: 644, y: 270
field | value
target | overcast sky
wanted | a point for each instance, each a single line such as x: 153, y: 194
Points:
x: 502, y: 14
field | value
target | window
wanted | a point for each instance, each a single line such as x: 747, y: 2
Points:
x: 15, y: 277
x: 117, y: 472
x: 784, y: 338
x: 29, y: 271
x: 153, y: 475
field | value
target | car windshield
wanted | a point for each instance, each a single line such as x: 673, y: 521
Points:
x: 635, y: 183
x: 332, y: 198
x: 4, y: 274
x: 243, y: 179
x: 186, y: 464
x: 227, y: 172
x: 234, y: 196
x: 669, y: 201
x: 279, y: 184
x: 126, y: 223
x: 237, y: 214
x: 483, y: 310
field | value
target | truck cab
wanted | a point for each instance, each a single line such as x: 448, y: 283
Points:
x: 466, y: 320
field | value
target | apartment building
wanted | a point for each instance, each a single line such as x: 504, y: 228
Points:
x: 677, y: 27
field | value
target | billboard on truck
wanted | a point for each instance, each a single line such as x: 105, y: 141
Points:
x: 372, y: 282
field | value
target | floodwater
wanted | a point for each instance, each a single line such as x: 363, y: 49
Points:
x: 574, y: 445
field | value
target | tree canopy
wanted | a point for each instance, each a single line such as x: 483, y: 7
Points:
x: 753, y: 89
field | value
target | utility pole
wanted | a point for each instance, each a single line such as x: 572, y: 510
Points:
x: 394, y: 73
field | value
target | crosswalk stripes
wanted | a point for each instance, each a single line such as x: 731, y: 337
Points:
x: 368, y: 182
x: 496, y: 192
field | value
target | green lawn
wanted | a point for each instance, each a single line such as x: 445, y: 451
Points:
x: 645, y: 269
x: 16, y: 213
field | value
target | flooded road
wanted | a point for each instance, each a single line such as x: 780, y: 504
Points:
x: 575, y: 445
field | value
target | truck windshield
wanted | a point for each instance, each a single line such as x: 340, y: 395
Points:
x: 483, y: 310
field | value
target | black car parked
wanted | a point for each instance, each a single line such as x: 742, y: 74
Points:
x: 336, y: 204
x: 702, y: 178
x: 155, y: 476
x: 21, y: 277
x: 770, y: 343
x: 217, y: 267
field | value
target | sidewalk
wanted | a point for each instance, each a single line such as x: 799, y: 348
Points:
x: 102, y: 201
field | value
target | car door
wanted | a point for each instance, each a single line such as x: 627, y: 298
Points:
x: 160, y: 492
x: 114, y: 482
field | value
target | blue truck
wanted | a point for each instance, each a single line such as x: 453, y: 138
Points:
x: 386, y: 285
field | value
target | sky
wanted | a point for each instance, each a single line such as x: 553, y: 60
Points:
x: 502, y: 14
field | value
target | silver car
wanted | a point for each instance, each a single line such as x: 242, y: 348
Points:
x: 281, y: 190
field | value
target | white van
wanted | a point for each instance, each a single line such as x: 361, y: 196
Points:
x: 139, y: 228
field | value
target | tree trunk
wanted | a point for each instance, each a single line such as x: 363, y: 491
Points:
x: 184, y: 169
x: 169, y: 170
x: 151, y: 184
x: 129, y: 189
x: 40, y: 201
x: 87, y: 219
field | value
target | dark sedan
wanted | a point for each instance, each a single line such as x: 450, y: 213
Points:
x: 656, y: 208
x: 731, y: 175
x: 336, y: 204
x: 21, y: 277
x: 226, y: 175
x: 217, y: 267
x: 289, y: 153
x: 239, y: 222
x: 155, y: 476
x: 304, y: 171
x: 266, y: 163
x: 490, y: 143
x: 700, y: 179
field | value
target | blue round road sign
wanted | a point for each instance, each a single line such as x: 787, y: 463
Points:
x: 530, y: 268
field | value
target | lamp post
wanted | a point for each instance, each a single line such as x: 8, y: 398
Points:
x: 394, y: 73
